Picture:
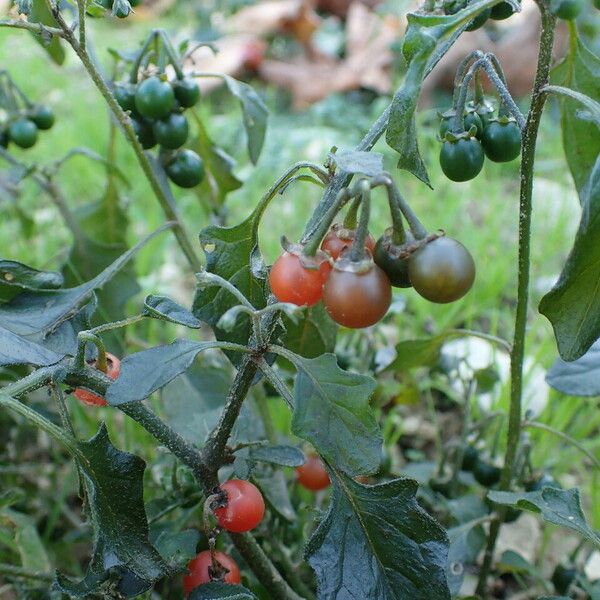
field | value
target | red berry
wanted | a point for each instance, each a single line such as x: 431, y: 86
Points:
x: 312, y: 474
x: 245, y: 506
x: 199, y: 573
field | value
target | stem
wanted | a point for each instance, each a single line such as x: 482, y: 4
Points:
x: 207, y: 279
x: 313, y: 241
x: 517, y: 357
x: 20, y: 572
x: 83, y: 337
x: 277, y: 382
x: 81, y: 14
x: 262, y: 566
x: 351, y: 218
x: 117, y: 324
x: 33, y: 27
x: 398, y: 233
x: 133, y: 77
x: 40, y: 421
x: 125, y: 122
x: 458, y: 120
x: 357, y: 251
x: 463, y: 68
x: 156, y: 427
x: 565, y: 437
x: 172, y: 54
x: 497, y: 78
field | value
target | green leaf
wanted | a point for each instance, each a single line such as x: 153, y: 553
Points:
x: 27, y: 539
x: 40, y: 313
x: 417, y: 353
x: 560, y: 507
x: 284, y: 456
x: 376, y: 542
x: 145, y: 372
x: 114, y: 484
x: 177, y: 548
x: 578, y: 378
x: 314, y: 332
x: 219, y: 180
x: 232, y: 253
x: 332, y: 412
x: 255, y: 114
x: 579, y: 71
x: 193, y: 404
x: 161, y: 307
x: 15, y: 350
x: 39, y: 13
x: 573, y: 304
x: 221, y: 591
x: 354, y: 161
x: 425, y: 36
x: 16, y: 277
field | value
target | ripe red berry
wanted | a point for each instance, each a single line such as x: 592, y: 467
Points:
x: 199, y: 570
x: 245, y: 506
x: 312, y: 474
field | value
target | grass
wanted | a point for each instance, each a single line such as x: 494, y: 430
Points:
x: 483, y: 214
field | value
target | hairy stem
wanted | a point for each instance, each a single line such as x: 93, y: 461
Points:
x: 33, y: 27
x: 22, y: 573
x: 517, y: 356
x: 262, y: 566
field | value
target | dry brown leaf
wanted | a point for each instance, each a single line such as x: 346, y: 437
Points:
x: 367, y: 63
x: 266, y: 18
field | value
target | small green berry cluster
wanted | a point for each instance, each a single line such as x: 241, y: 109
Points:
x: 156, y: 108
x: 22, y: 125
x: 485, y: 133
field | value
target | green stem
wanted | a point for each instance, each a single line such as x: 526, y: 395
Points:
x: 507, y: 105
x: 81, y: 14
x: 357, y: 251
x: 530, y: 134
x: 207, y: 279
x: 125, y: 122
x: 117, y: 324
x: 38, y: 28
x: 276, y: 382
x: 313, y: 241
x: 291, y: 570
x: 351, y: 218
x: 262, y: 566
x: 398, y: 232
x: 565, y: 437
x: 135, y: 67
x: 22, y: 573
x: 172, y: 54
x: 458, y: 120
x: 41, y: 422
x: 83, y: 337
x: 463, y: 67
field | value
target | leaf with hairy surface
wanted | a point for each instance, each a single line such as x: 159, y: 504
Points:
x: 376, y: 542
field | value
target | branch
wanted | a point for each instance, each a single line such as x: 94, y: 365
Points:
x: 37, y: 28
